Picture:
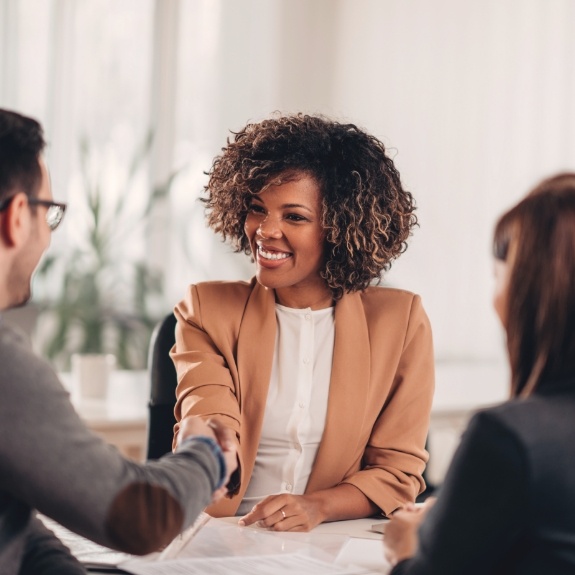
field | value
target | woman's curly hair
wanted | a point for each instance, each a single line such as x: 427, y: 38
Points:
x: 366, y: 214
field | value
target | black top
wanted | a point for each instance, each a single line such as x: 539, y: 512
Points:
x: 507, y: 505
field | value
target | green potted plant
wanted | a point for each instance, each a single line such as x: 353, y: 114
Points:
x: 107, y: 297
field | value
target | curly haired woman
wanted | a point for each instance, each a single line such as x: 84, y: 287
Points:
x: 326, y: 380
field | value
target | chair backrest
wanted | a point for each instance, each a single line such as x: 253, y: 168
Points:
x: 161, y: 418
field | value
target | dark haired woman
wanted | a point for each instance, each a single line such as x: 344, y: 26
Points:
x: 508, y: 502
x: 326, y: 381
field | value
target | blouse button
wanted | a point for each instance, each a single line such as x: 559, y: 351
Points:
x: 308, y: 316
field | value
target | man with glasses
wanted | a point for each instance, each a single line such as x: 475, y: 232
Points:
x: 49, y: 461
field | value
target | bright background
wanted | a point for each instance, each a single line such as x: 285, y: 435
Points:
x: 474, y: 98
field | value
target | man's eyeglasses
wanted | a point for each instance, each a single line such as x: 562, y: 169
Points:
x: 54, y: 213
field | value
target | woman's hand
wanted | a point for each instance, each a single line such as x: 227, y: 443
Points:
x: 400, y: 539
x: 285, y: 512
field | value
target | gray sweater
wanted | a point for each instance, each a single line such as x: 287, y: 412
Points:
x: 50, y: 462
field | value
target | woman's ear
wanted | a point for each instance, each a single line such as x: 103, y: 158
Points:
x: 16, y: 221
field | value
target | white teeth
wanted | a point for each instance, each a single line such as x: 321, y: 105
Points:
x: 270, y: 256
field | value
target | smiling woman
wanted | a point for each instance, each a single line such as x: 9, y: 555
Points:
x: 325, y: 379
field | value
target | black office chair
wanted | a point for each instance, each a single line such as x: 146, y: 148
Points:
x: 161, y: 418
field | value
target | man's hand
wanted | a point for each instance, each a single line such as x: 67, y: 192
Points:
x: 225, y: 438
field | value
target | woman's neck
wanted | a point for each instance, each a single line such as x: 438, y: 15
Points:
x: 300, y: 300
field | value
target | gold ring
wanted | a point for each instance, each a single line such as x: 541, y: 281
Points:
x: 283, y: 513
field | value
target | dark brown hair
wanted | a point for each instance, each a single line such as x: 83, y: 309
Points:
x: 366, y: 213
x: 21, y: 143
x: 537, y: 239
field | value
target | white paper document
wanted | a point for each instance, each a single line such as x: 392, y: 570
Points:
x: 222, y: 547
x: 219, y: 547
x: 85, y: 550
x: 219, y: 538
x: 284, y: 564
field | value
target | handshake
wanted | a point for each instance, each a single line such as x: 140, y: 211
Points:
x: 223, y: 436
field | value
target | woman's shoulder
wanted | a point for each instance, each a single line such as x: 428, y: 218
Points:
x: 215, y: 290
x: 214, y: 300
x: 536, y: 417
x: 391, y: 294
x: 395, y: 302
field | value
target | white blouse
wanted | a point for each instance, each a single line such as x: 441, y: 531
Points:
x: 296, y: 405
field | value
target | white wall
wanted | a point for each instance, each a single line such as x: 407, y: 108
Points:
x: 478, y: 98
x: 475, y: 99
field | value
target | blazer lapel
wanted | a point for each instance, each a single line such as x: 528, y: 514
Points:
x: 256, y: 344
x: 348, y: 395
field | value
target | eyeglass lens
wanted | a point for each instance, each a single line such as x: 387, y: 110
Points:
x: 54, y: 216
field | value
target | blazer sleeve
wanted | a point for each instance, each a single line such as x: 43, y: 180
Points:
x: 395, y: 457
x: 202, y: 360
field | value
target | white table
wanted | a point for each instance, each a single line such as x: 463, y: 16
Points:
x: 364, y: 548
x: 361, y: 546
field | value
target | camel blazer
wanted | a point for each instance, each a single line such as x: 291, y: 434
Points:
x: 380, y: 391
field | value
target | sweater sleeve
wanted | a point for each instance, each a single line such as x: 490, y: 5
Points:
x: 482, y: 507
x: 53, y: 463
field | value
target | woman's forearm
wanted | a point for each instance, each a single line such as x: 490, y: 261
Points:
x: 345, y: 501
